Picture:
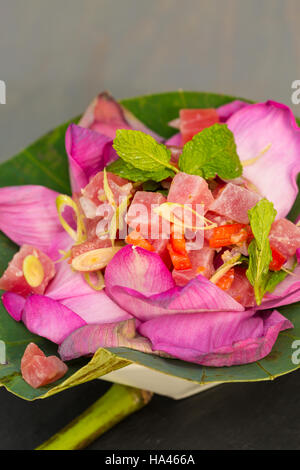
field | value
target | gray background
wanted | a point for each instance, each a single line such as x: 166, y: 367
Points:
x: 55, y: 55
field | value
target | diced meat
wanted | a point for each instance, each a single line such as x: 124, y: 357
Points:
x: 95, y: 189
x: 141, y: 217
x: 39, y: 370
x: 241, y: 289
x: 193, y: 121
x: 202, y: 263
x: 285, y: 237
x: 234, y: 202
x: 31, y: 350
x: 13, y: 279
x: 190, y: 189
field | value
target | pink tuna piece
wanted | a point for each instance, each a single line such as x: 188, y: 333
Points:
x: 285, y: 237
x: 241, y: 289
x: 39, y: 370
x: 95, y: 189
x: 190, y: 189
x: 202, y: 263
x: 234, y: 202
x: 141, y: 217
x: 13, y: 279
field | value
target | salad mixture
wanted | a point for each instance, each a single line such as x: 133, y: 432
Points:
x: 180, y: 248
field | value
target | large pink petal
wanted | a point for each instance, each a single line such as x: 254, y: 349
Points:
x: 227, y: 110
x: 70, y: 288
x: 28, y: 215
x: 88, y: 339
x: 14, y: 304
x: 138, y: 269
x: 49, y: 318
x: 88, y: 152
x: 140, y: 283
x: 216, y: 339
x: 106, y: 115
x: 274, y: 174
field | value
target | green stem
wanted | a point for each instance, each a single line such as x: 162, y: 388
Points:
x: 118, y: 403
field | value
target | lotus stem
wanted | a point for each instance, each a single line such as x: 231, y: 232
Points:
x: 119, y: 402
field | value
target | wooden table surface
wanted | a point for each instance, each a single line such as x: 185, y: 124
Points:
x: 55, y: 56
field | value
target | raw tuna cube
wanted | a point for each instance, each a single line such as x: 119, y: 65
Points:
x: 202, y: 263
x: 190, y: 189
x: 241, y: 289
x: 285, y: 237
x: 193, y: 121
x: 141, y: 217
x: 95, y: 189
x: 39, y: 370
x: 234, y: 202
x: 13, y: 279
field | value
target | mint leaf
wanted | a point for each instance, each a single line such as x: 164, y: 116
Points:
x: 142, y: 151
x: 274, y: 279
x: 129, y: 172
x: 211, y: 152
x: 261, y: 217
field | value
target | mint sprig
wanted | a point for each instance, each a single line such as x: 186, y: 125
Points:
x: 261, y: 217
x: 142, y: 158
x: 129, y: 172
x: 211, y: 152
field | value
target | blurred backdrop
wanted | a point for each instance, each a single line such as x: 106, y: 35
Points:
x: 56, y: 55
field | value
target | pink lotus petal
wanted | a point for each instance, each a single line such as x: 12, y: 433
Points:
x: 88, y: 339
x: 14, y: 304
x: 61, y: 243
x: 216, y: 339
x: 227, y: 110
x: 49, y: 318
x: 298, y: 251
x: 28, y: 215
x: 105, y: 115
x: 274, y: 174
x: 88, y: 153
x: 140, y: 283
x: 174, y: 140
x: 96, y: 308
x: 70, y: 288
x: 197, y: 296
x: 67, y: 283
x: 138, y: 269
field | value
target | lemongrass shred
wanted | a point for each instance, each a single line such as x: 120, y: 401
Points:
x: 63, y: 201
x: 235, y: 260
x: 251, y: 161
x: 100, y: 284
x: 165, y: 211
